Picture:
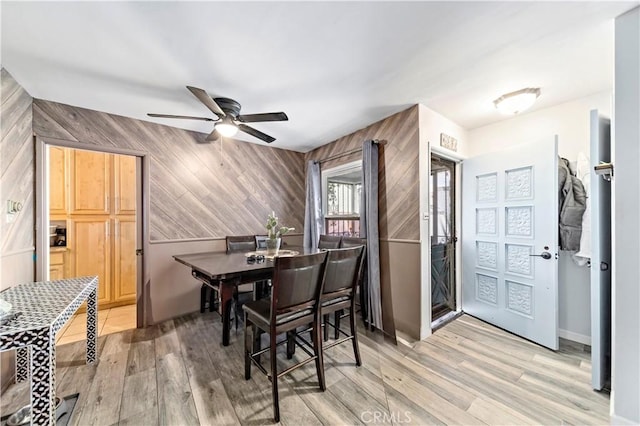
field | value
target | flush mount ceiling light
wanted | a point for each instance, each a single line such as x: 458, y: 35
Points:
x: 226, y: 127
x: 518, y: 101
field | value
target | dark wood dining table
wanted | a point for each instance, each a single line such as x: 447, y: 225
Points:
x: 225, y: 271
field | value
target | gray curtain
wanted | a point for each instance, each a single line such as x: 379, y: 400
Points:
x: 313, y: 221
x: 369, y: 230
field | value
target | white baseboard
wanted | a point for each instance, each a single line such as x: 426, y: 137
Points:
x: 574, y: 337
x: 617, y: 420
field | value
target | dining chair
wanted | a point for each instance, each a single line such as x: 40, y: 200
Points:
x: 263, y: 287
x: 261, y: 242
x: 241, y: 244
x: 346, y: 242
x: 296, y: 289
x: 329, y: 241
x: 343, y: 270
x: 362, y: 285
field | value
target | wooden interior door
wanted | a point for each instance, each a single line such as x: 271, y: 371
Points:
x: 125, y: 259
x: 510, y: 240
x: 91, y: 177
x: 89, y: 248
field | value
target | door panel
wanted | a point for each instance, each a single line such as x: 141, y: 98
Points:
x: 600, y: 199
x: 510, y: 218
x: 125, y: 184
x: 89, y: 246
x: 57, y: 180
x: 125, y: 259
x: 90, y: 177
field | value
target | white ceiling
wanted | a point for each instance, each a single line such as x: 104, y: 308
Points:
x: 333, y: 67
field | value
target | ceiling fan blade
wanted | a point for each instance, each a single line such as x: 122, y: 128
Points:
x: 186, y: 117
x: 213, y: 136
x: 256, y: 133
x: 207, y: 100
x: 267, y: 116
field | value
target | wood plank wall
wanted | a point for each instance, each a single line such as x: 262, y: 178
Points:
x: 196, y: 190
x: 399, y: 209
x: 17, y: 182
x: 16, y: 164
x: 398, y: 170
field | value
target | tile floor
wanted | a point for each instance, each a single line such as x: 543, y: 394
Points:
x: 109, y: 321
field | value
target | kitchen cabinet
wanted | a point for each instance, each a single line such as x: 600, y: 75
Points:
x: 89, y: 244
x: 125, y: 271
x: 90, y: 182
x: 58, y: 181
x: 57, y: 263
x: 124, y: 167
x: 99, y: 192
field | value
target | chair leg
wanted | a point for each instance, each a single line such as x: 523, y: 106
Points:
x: 235, y: 308
x: 336, y: 317
x: 317, y: 349
x: 248, y: 348
x: 325, y: 320
x: 213, y: 300
x: 291, y: 343
x: 363, y: 304
x: 274, y: 377
x: 203, y: 297
x: 354, y: 334
x: 257, y: 346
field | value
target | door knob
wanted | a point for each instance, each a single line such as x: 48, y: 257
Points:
x: 545, y: 255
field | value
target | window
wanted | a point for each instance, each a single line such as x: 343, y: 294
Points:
x: 342, y: 192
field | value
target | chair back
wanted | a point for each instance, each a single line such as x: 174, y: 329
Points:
x: 329, y: 241
x: 352, y: 242
x: 297, y: 282
x: 242, y: 243
x: 261, y: 241
x: 342, y: 272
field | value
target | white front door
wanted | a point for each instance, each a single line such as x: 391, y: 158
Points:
x: 510, y: 240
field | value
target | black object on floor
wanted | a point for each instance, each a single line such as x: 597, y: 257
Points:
x: 63, y: 420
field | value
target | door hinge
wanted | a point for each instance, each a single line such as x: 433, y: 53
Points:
x: 139, y: 252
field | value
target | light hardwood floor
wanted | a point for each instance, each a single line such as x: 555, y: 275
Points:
x: 111, y: 320
x: 178, y: 373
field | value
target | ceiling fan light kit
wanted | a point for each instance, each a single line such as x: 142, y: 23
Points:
x: 226, y: 127
x: 516, y: 102
x: 228, y: 118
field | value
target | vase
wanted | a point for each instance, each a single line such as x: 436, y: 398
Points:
x: 273, y: 245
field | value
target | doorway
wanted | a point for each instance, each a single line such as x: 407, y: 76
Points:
x: 91, y: 203
x: 443, y: 239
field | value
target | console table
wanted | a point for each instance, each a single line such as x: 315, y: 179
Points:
x: 44, y: 308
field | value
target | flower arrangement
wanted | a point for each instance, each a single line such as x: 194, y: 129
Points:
x: 273, y: 232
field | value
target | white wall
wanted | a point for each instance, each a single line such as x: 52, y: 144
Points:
x: 570, y: 121
x: 431, y: 125
x: 625, y: 394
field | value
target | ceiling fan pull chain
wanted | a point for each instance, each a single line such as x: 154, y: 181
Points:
x: 221, y: 152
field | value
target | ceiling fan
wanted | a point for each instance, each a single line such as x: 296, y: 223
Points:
x: 228, y: 118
